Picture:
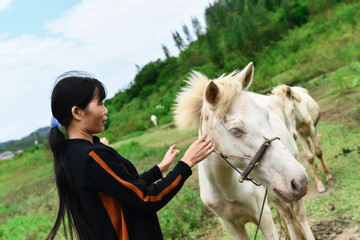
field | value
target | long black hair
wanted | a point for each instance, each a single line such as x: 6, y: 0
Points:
x: 72, y: 89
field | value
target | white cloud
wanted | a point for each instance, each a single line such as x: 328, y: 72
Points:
x: 4, y: 4
x: 113, y: 29
x: 104, y: 37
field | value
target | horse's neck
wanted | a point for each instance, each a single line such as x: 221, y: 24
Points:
x: 219, y: 181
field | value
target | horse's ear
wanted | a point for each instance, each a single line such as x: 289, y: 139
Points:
x: 212, y: 93
x: 291, y: 94
x: 288, y: 92
x: 296, y: 96
x: 246, y: 76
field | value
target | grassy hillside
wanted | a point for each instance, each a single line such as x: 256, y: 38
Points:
x: 28, y: 200
x: 292, y: 54
x: 321, y: 54
x: 39, y: 135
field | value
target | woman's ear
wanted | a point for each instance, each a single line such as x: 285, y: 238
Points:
x: 76, y: 112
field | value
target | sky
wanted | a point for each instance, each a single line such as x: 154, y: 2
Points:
x: 41, y: 39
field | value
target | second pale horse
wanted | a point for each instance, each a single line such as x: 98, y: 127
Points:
x: 304, y: 113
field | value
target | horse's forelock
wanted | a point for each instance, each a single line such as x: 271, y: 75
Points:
x: 189, y: 100
x: 229, y: 90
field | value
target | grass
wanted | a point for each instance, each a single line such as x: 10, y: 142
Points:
x: 162, y: 136
x: 28, y: 202
x: 324, y: 44
x: 27, y: 206
x: 345, y: 192
x: 323, y: 56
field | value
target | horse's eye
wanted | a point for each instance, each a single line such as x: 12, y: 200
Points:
x: 236, y: 131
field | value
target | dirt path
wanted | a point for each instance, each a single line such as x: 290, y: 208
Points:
x: 336, y: 229
x: 349, y: 233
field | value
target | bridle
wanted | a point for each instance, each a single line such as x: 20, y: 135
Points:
x: 255, y: 162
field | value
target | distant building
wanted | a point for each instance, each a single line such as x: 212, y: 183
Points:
x: 6, y: 155
x: 19, y: 151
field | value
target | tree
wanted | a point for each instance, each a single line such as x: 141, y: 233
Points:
x: 269, y: 5
x: 187, y: 34
x: 240, y: 6
x: 166, y: 51
x: 179, y: 42
x: 295, y: 13
x: 138, y: 68
x: 233, y: 36
x: 252, y: 39
x: 196, y: 26
x: 252, y: 3
x: 215, y: 53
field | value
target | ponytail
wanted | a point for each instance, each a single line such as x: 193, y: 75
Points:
x: 69, y: 202
x: 73, y: 89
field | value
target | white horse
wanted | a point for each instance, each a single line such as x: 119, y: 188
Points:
x: 104, y: 140
x: 304, y: 114
x: 237, y: 125
x: 153, y: 119
x: 294, y: 214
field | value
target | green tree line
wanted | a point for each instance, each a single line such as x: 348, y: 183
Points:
x: 236, y: 32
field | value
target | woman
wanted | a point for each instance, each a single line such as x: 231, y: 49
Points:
x: 100, y: 192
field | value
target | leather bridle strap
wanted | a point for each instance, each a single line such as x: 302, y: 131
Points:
x: 237, y: 170
x: 256, y: 159
x: 261, y: 213
x: 253, y: 163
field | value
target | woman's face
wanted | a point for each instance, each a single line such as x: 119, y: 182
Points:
x: 95, y: 115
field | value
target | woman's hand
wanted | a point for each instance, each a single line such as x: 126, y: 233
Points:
x: 168, y: 159
x: 198, y: 150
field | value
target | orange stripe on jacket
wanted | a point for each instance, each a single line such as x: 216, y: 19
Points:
x: 132, y: 186
x: 114, y: 210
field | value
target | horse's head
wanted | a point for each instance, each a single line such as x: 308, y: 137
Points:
x: 237, y: 126
x: 291, y: 100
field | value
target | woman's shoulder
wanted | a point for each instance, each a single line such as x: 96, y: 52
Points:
x: 107, y: 157
x: 103, y: 151
x: 81, y: 148
x: 100, y: 146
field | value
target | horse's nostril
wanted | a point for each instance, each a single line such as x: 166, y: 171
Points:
x: 299, y: 187
x: 294, y: 186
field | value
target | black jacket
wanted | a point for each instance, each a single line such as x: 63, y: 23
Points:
x: 119, y: 203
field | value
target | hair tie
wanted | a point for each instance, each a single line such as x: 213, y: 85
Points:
x: 54, y: 122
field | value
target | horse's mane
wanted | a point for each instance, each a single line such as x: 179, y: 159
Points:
x: 281, y: 92
x: 190, y: 99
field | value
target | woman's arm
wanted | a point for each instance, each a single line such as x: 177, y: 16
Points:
x: 107, y: 175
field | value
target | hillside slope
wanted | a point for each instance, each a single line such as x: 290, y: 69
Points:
x: 321, y: 55
x: 327, y: 41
